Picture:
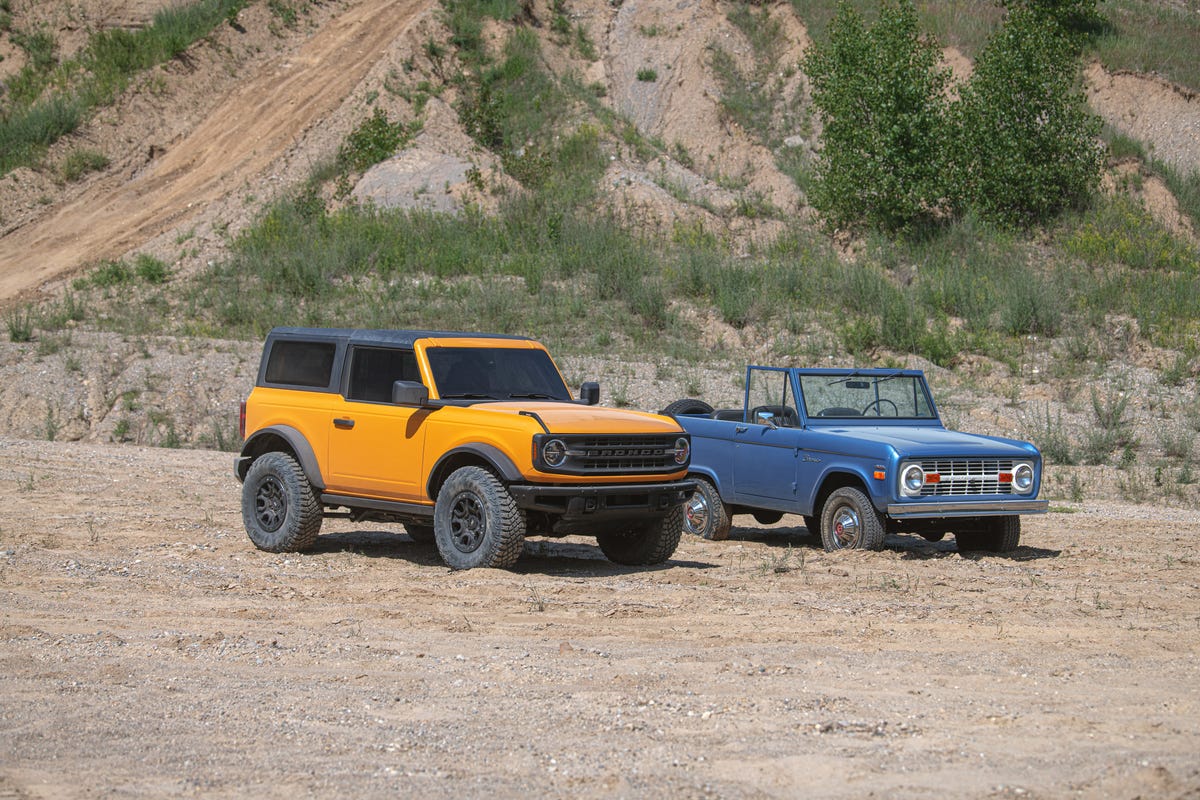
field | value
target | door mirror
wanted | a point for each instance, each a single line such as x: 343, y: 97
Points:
x: 410, y: 393
x: 589, y: 393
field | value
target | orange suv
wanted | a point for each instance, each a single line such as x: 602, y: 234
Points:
x: 472, y: 441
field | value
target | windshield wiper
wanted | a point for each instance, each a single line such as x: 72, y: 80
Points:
x: 469, y: 396
x: 533, y: 396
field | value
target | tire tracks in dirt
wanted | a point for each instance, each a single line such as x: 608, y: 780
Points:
x: 247, y: 132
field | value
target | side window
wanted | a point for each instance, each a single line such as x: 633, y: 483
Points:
x: 300, y: 363
x: 373, y: 370
x: 770, y: 398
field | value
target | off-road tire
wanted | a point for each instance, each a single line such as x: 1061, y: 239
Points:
x: 1001, y: 535
x: 279, y: 507
x: 705, y: 514
x: 419, y: 533
x: 476, y: 522
x: 651, y: 542
x: 850, y: 522
x: 764, y: 517
x: 687, y: 406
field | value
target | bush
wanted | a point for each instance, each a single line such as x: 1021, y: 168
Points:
x: 879, y: 92
x: 1023, y: 145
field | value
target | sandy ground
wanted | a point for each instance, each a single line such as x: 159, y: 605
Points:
x: 148, y: 650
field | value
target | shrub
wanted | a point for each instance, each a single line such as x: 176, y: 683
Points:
x: 647, y: 75
x: 81, y: 161
x: 375, y: 139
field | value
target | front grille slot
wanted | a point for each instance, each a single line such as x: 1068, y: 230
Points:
x: 967, y: 476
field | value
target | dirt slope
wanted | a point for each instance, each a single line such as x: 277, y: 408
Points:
x: 227, y: 151
x: 147, y: 650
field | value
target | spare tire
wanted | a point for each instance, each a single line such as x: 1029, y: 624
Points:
x: 687, y: 406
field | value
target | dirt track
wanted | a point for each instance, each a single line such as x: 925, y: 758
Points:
x: 247, y: 132
x: 147, y: 650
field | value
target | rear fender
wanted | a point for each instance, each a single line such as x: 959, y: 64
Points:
x: 282, y: 438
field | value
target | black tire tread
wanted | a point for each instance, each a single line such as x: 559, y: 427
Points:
x: 687, y: 405
x: 721, y: 519
x: 873, y: 531
x: 505, y: 547
x: 300, y: 529
x: 652, y: 542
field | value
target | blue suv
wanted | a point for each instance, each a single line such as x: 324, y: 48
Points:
x: 859, y: 454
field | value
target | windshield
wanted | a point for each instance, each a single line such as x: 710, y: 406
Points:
x: 855, y: 395
x: 495, y: 373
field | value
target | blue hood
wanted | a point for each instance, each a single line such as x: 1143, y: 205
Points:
x: 927, y: 441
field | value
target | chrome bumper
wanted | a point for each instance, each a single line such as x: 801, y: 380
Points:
x: 966, y: 508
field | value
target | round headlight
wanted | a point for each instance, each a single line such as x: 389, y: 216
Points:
x: 912, y: 479
x: 683, y: 449
x: 554, y: 452
x: 1023, y: 478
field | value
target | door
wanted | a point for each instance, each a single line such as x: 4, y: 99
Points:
x: 766, y: 446
x: 375, y: 447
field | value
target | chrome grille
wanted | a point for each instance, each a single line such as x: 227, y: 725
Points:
x: 967, y: 476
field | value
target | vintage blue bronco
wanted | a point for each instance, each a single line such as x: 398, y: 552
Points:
x: 859, y: 454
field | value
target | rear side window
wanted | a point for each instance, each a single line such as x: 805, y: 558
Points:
x: 301, y: 363
x: 373, y: 370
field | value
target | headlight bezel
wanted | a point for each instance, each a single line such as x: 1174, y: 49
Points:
x: 1024, y: 478
x: 912, y: 474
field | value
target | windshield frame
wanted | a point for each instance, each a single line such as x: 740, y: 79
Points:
x: 821, y: 400
x: 497, y: 368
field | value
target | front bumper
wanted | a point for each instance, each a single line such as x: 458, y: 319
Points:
x: 602, y: 502
x: 966, y: 508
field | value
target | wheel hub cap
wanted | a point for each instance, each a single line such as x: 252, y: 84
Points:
x: 845, y: 526
x: 696, y: 514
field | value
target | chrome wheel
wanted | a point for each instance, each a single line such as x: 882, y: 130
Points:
x: 846, y: 526
x: 696, y: 514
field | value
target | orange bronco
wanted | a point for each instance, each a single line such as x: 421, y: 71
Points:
x: 472, y: 441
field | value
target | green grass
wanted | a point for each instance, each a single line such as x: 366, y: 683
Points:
x: 49, y: 100
x: 1151, y: 37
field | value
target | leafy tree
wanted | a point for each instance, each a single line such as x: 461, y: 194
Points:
x: 880, y: 95
x: 1023, y: 145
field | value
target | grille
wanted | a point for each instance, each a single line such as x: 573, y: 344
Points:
x: 967, y: 476
x: 615, y: 454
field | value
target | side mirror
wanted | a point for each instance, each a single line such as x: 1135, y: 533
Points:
x: 589, y: 393
x: 410, y: 393
x: 766, y: 418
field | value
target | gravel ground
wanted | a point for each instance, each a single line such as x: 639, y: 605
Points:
x: 148, y: 650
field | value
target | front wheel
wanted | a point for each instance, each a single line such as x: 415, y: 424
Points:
x: 705, y: 514
x: 279, y: 508
x: 646, y: 543
x: 476, y: 522
x: 850, y: 522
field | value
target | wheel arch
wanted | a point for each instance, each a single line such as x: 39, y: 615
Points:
x: 472, y: 455
x: 286, y: 439
x: 833, y: 481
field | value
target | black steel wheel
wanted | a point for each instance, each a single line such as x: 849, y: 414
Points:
x: 476, y: 522
x: 704, y: 513
x: 651, y: 542
x: 850, y: 522
x: 279, y: 508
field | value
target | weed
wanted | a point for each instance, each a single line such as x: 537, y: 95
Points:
x: 52, y: 424
x: 81, y: 161
x: 121, y: 430
x: 647, y: 75
x: 150, y: 269
x: 20, y: 325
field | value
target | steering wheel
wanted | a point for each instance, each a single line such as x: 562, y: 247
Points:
x: 875, y: 404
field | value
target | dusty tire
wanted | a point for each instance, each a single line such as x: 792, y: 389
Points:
x: 813, y: 524
x: 1001, y: 535
x: 279, y: 508
x: 705, y: 514
x: 422, y: 534
x: 764, y: 517
x: 651, y: 542
x: 850, y: 522
x: 687, y: 406
x: 476, y: 522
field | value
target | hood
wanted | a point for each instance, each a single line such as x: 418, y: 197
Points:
x: 572, y: 418
x: 923, y: 441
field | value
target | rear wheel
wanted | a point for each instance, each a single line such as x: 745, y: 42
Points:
x: 419, y: 533
x: 279, y: 508
x: 850, y: 522
x: 705, y: 514
x: 476, y: 522
x: 651, y: 542
x: 763, y: 517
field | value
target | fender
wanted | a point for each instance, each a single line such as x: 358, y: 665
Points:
x: 260, y: 442
x: 471, y: 454
x: 836, y: 476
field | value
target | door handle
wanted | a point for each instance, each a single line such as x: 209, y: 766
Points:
x: 741, y: 429
x: 342, y: 422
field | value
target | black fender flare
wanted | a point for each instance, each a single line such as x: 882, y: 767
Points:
x: 495, y: 458
x: 268, y: 439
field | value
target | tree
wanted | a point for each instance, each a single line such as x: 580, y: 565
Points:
x: 1023, y: 145
x: 880, y: 96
